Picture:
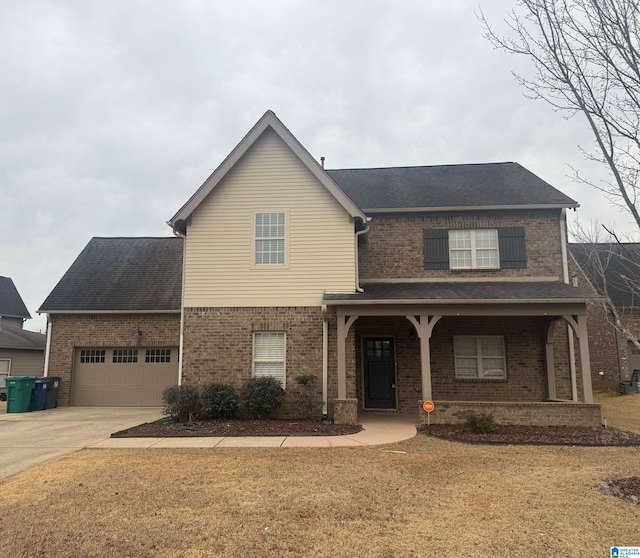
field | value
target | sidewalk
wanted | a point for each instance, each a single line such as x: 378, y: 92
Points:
x: 376, y: 430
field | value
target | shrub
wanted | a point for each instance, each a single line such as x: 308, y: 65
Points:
x: 261, y: 397
x: 182, y: 403
x: 482, y: 423
x: 219, y: 401
x: 307, y: 398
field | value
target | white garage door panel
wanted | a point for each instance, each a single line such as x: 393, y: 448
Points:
x: 129, y: 384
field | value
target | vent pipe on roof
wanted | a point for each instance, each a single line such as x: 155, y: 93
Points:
x: 322, y: 161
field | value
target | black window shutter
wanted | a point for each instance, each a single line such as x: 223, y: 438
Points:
x: 513, y: 250
x: 436, y: 249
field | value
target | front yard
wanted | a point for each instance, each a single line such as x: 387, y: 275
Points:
x: 422, y: 497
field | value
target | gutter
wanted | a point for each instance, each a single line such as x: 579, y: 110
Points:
x: 325, y: 362
x: 359, y: 289
x: 184, y: 259
x: 47, y: 350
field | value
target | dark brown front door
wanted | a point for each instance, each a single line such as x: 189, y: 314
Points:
x: 379, y: 373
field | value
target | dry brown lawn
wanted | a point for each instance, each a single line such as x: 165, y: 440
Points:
x: 422, y: 497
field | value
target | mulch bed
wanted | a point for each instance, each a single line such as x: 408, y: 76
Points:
x: 537, y: 435
x: 237, y: 427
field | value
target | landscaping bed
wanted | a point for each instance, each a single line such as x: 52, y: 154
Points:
x: 237, y: 427
x: 536, y: 435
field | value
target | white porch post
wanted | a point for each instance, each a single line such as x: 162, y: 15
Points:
x: 344, y: 324
x: 424, y: 328
x: 550, y: 360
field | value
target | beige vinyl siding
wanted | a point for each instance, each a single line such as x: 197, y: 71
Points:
x: 220, y: 269
x: 23, y: 362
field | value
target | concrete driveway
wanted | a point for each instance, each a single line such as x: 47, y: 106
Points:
x: 29, y: 439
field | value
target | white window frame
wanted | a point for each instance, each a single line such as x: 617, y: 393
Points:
x: 283, y: 238
x: 268, y: 360
x: 474, y: 249
x: 480, y: 357
x: 3, y: 375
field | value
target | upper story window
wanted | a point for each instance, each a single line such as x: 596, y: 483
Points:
x: 473, y: 249
x: 499, y: 248
x: 269, y: 239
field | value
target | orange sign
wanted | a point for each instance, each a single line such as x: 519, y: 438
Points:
x: 428, y: 406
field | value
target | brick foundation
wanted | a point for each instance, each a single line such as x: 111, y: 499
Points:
x: 525, y: 413
x: 345, y: 411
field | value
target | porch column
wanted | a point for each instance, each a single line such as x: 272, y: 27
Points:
x: 344, y: 324
x: 424, y: 328
x: 550, y: 360
x: 579, y: 326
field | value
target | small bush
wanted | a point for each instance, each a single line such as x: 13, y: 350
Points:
x: 219, y: 401
x: 307, y: 398
x: 261, y: 397
x: 182, y: 403
x: 482, y: 423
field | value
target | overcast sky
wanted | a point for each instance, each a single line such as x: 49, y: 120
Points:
x: 113, y: 113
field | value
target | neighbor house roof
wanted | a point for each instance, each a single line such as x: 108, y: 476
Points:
x: 17, y: 338
x: 616, y: 263
x: 268, y: 120
x: 11, y: 304
x: 442, y: 187
x: 121, y: 274
x: 463, y: 291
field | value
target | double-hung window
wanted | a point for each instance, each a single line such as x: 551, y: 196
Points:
x: 270, y: 238
x: 474, y: 249
x: 269, y: 350
x: 479, y: 356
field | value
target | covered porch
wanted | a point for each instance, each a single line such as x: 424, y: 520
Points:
x: 400, y: 345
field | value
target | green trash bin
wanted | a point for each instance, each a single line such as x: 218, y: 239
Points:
x: 19, y: 393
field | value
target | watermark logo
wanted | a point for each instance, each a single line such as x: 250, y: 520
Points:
x: 625, y: 551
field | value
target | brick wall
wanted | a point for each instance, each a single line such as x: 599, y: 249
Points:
x: 538, y: 414
x: 394, y: 245
x: 218, y: 346
x: 70, y: 331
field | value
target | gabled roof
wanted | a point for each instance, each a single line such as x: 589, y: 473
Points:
x: 269, y: 120
x: 616, y: 263
x: 11, y: 304
x: 438, y: 188
x: 121, y: 274
x: 16, y: 338
x: 448, y: 292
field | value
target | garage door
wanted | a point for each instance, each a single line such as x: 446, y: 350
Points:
x: 123, y: 376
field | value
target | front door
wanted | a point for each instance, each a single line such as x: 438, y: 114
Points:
x: 379, y: 373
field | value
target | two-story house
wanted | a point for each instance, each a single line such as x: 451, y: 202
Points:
x: 394, y: 286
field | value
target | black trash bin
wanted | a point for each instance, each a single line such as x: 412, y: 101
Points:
x: 51, y: 401
x: 39, y: 394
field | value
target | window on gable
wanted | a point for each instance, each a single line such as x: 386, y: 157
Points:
x: 499, y: 248
x: 479, y: 356
x: 473, y: 249
x: 269, y: 355
x: 269, y: 238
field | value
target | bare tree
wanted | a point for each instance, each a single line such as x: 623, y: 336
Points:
x: 586, y: 55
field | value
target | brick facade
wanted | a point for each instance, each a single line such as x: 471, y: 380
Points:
x: 394, y: 247
x: 537, y: 414
x: 71, y: 331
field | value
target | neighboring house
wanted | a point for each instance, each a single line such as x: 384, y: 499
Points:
x: 21, y: 351
x: 611, y: 269
x: 393, y: 286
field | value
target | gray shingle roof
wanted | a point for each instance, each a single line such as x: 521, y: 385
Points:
x: 619, y: 264
x: 465, y: 291
x: 113, y: 274
x: 11, y: 303
x: 16, y: 338
x: 474, y: 185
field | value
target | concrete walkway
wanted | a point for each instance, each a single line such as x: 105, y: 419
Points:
x: 377, y: 429
x: 30, y: 439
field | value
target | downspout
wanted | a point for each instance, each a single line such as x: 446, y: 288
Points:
x: 47, y: 350
x: 325, y: 363
x: 359, y: 289
x: 181, y: 347
x: 565, y: 278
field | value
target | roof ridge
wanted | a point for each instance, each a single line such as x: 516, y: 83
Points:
x: 428, y: 166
